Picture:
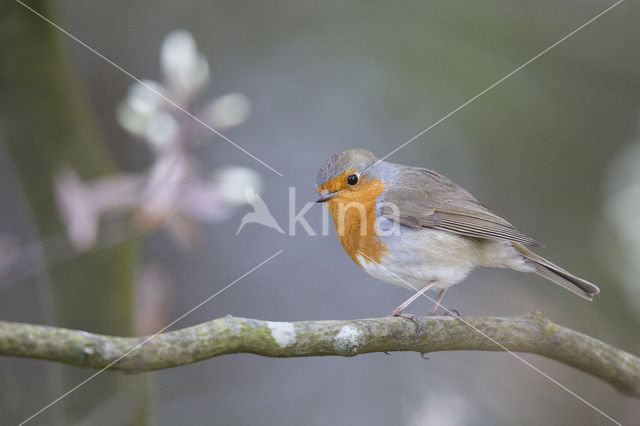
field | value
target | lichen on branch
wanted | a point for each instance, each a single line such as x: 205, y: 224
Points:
x: 530, y: 333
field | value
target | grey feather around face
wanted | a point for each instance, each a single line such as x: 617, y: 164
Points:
x: 356, y: 159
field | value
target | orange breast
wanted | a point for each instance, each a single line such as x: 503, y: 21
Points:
x: 354, y: 214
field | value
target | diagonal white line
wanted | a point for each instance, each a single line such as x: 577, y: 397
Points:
x: 100, y: 55
x: 501, y: 346
x: 431, y: 126
x: 148, y: 338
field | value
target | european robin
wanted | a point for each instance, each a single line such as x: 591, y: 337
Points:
x: 415, y: 228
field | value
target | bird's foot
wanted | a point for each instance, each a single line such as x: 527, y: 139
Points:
x: 411, y: 317
x: 445, y: 313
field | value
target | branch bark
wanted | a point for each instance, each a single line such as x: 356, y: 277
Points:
x: 530, y: 333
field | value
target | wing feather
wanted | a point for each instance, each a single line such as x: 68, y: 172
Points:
x: 430, y: 200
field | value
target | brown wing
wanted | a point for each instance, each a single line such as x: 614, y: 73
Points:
x: 430, y: 200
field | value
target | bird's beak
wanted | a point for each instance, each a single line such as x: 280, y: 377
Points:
x: 325, y: 196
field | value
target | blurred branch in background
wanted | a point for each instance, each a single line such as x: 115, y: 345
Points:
x: 47, y: 123
x: 65, y: 172
x: 532, y: 333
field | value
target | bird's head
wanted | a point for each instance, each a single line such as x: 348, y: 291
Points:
x: 349, y: 177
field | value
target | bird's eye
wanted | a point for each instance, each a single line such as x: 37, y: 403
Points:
x: 352, y: 180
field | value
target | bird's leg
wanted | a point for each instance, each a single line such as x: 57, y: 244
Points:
x: 437, y: 304
x: 397, y: 312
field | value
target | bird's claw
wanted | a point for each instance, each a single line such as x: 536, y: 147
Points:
x: 411, y: 317
x: 447, y: 312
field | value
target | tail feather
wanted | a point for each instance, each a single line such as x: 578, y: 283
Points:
x: 556, y: 274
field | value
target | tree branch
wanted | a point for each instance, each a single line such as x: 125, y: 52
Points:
x: 531, y: 333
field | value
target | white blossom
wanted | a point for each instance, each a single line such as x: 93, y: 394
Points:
x: 172, y: 193
x: 233, y: 180
x: 142, y: 103
x: 227, y: 111
x: 185, y: 70
x: 162, y: 130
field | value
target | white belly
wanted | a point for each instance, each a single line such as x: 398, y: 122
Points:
x: 418, y: 256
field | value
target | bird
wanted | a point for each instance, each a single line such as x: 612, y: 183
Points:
x: 415, y: 228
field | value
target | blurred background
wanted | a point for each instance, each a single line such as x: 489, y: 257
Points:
x: 110, y: 226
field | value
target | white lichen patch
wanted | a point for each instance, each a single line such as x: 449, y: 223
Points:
x: 348, y: 339
x: 284, y: 333
x: 233, y: 325
x: 110, y: 350
x: 450, y: 317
